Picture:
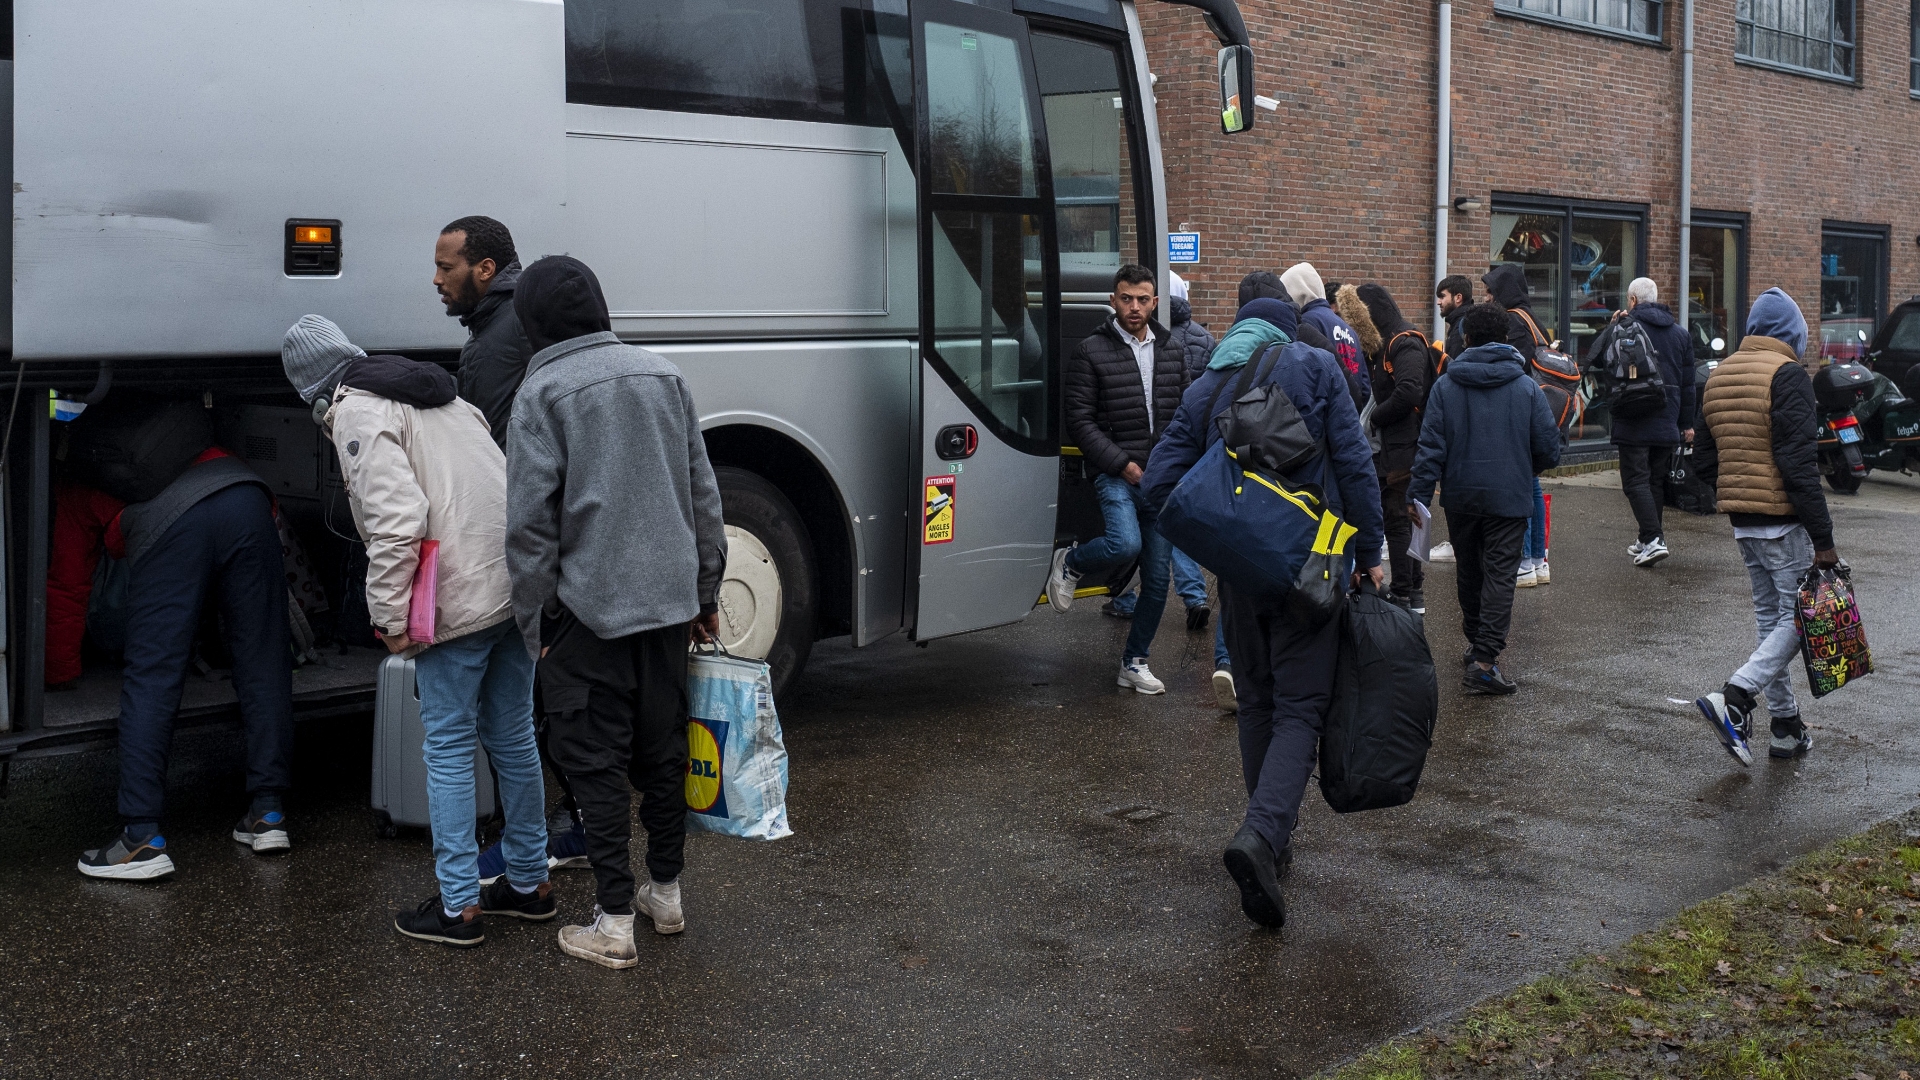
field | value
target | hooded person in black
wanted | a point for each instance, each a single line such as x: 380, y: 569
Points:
x: 559, y: 299
x: 1507, y: 286
x: 1397, y: 361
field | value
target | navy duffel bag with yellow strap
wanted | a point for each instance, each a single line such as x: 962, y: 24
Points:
x: 1268, y: 534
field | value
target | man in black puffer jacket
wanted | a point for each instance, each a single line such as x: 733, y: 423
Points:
x: 1122, y: 386
x: 1397, y: 360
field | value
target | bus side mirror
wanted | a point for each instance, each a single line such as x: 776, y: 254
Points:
x: 1236, y: 88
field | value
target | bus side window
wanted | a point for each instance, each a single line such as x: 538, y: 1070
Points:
x: 781, y: 59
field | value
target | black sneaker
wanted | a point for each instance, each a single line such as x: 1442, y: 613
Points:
x: 1488, y: 681
x: 1112, y: 609
x: 1252, y: 864
x: 501, y: 898
x: 1417, y: 602
x: 1197, y: 617
x: 123, y: 859
x: 429, y: 922
x: 1790, y: 738
x: 264, y: 834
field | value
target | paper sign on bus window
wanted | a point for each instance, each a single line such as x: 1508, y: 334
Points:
x: 939, y: 509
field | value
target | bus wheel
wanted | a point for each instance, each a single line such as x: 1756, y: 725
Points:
x: 769, y: 595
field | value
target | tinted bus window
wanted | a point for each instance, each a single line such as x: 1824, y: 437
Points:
x: 784, y: 59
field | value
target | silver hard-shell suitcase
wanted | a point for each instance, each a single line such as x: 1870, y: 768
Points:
x: 399, y: 768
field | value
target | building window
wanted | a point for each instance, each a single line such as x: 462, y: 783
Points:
x: 1853, y: 287
x: 1717, y: 284
x: 1578, y: 258
x: 1636, y: 18
x: 1801, y: 35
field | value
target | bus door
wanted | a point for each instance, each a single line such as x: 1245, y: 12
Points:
x: 986, y: 449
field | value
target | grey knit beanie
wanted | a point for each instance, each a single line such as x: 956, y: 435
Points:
x: 315, y: 352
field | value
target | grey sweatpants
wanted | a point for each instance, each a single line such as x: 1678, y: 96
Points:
x: 1775, y: 568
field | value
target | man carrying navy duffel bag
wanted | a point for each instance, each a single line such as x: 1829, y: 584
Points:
x: 1283, y: 667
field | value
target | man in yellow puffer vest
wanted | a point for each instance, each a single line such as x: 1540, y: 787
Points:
x: 1760, y: 448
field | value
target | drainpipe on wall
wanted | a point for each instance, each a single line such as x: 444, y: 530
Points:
x: 1443, y: 161
x: 1686, y: 171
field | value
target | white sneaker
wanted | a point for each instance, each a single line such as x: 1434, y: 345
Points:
x: 1223, y: 695
x: 661, y: 903
x: 1441, y: 552
x: 1135, y: 677
x: 1634, y: 549
x: 1061, y: 580
x: 607, y: 940
x: 1528, y: 578
x: 1654, y: 550
x: 1541, y: 574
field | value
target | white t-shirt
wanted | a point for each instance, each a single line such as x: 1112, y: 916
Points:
x: 1764, y: 532
x: 1142, y: 355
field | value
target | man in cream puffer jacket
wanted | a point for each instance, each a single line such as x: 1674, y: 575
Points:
x: 419, y: 465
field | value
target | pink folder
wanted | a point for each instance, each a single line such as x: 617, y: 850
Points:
x: 426, y: 591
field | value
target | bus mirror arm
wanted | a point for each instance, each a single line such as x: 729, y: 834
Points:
x: 1223, y: 18
x: 101, y: 384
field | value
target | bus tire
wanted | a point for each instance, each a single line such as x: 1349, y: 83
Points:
x: 769, y: 596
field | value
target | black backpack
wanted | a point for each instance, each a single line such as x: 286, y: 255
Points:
x: 133, y: 447
x: 1385, y: 700
x: 1261, y: 426
x: 1630, y: 371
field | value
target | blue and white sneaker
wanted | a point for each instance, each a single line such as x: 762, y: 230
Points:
x: 126, y: 859
x: 1728, y: 723
x: 264, y: 834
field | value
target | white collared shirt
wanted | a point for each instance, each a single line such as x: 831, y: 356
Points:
x: 1143, y: 355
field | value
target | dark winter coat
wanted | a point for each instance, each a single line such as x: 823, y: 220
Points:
x: 1398, y: 366
x: 396, y: 378
x: 1674, y: 347
x: 1793, y: 436
x: 1456, y: 341
x: 1106, y: 406
x: 1486, y: 435
x: 1313, y: 381
x: 1194, y: 341
x: 1507, y: 285
x: 493, y: 362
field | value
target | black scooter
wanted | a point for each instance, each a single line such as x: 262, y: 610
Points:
x: 1866, y: 424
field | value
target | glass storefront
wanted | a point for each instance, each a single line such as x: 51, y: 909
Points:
x: 1578, y: 259
x: 1716, y: 284
x: 1853, y: 288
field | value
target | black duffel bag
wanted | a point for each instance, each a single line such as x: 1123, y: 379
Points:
x: 1385, y: 700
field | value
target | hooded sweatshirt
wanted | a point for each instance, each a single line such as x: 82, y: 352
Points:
x: 1507, y: 285
x: 613, y: 512
x: 1486, y: 434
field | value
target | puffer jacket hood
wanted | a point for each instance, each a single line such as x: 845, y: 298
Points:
x: 1347, y: 301
x: 1179, y: 310
x: 558, y: 299
x: 1259, y: 284
x: 396, y: 378
x: 1507, y: 284
x: 1486, y: 366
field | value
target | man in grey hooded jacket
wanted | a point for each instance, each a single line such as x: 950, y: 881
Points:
x: 616, y: 548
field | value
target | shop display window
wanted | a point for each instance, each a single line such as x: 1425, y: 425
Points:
x: 1853, y: 288
x: 1716, y: 284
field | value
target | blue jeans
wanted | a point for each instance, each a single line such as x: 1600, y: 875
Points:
x: 1774, y: 568
x: 1193, y: 592
x: 1536, y: 548
x: 1121, y: 505
x: 481, y: 684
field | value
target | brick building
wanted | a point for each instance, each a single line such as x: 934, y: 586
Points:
x: 1566, y: 131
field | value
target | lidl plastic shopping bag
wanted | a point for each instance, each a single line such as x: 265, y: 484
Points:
x: 1833, y: 639
x: 736, y: 760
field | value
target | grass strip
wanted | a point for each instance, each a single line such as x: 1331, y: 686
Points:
x: 1810, y: 972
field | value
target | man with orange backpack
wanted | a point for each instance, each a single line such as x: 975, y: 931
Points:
x: 1400, y: 365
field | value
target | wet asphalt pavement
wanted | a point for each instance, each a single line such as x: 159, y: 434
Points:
x: 1001, y: 867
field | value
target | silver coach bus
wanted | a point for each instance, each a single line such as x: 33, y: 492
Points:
x: 866, y: 230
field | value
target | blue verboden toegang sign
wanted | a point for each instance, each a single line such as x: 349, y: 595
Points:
x: 1183, y: 247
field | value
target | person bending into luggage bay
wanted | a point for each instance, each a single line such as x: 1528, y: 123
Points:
x: 1122, y: 384
x: 418, y: 465
x: 185, y: 517
x: 1283, y: 671
x: 1487, y: 434
x: 616, y: 547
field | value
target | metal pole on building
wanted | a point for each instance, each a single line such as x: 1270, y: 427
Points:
x: 1443, y: 162
x: 1684, y: 308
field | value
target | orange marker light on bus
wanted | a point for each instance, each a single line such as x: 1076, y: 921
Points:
x: 312, y: 234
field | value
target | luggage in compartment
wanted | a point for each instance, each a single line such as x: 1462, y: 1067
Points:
x: 399, y: 770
